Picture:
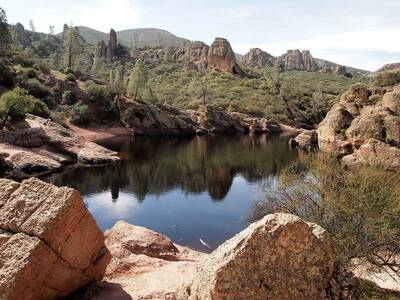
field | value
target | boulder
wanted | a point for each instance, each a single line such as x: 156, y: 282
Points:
x: 50, y: 245
x: 24, y: 163
x: 256, y: 58
x: 144, y: 265
x: 332, y: 131
x: 222, y: 57
x: 112, y: 45
x: 307, y: 140
x: 374, y: 153
x: 217, y: 120
x: 278, y: 257
x: 27, y: 138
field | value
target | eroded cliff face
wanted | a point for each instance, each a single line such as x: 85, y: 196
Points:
x: 257, y: 58
x: 50, y: 245
x: 222, y: 57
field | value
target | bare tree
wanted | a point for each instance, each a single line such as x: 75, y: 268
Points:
x: 32, y: 26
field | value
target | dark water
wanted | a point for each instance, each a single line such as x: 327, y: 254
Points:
x: 185, y: 188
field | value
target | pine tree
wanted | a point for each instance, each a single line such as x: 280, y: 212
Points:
x: 4, y: 30
x: 138, y: 80
x: 72, y: 46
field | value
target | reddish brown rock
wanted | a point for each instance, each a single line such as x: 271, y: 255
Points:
x: 300, y: 61
x: 278, y: 257
x: 198, y: 56
x: 222, y: 57
x: 49, y: 243
x: 145, y: 265
x: 374, y: 153
x: 256, y: 58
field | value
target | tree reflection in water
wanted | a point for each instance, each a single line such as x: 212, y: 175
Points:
x: 158, y: 168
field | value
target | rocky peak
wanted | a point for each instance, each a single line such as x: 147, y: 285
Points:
x: 389, y: 67
x: 112, y: 44
x: 300, y: 61
x: 257, y: 58
x: 197, y: 55
x: 222, y: 57
x: 101, y: 50
x: 309, y: 63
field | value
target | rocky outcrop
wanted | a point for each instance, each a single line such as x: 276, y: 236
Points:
x: 38, y: 146
x: 222, y: 57
x: 256, y: 58
x: 364, y: 127
x: 148, y: 119
x: 50, y: 245
x: 197, y: 56
x: 101, y: 50
x: 144, y: 265
x: 112, y: 45
x: 307, y: 140
x: 374, y: 153
x: 109, y: 50
x: 278, y: 257
x: 299, y: 61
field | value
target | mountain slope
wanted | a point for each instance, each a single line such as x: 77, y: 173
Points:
x: 145, y: 36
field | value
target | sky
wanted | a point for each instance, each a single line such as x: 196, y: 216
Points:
x: 357, y: 33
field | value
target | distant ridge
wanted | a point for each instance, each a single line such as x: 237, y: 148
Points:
x: 146, y: 37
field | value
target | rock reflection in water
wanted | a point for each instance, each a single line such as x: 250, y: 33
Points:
x: 162, y: 168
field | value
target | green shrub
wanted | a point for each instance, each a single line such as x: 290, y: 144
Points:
x: 374, y: 99
x: 70, y: 77
x: 80, y: 114
x: 42, y: 66
x: 36, y: 88
x: 97, y: 94
x: 387, y: 78
x: 390, y: 140
x: 360, y: 209
x: 68, y: 97
x: 6, y: 75
x: 38, y: 108
x: 13, y: 106
x: 28, y: 73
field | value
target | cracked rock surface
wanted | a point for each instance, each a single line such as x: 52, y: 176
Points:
x: 50, y: 245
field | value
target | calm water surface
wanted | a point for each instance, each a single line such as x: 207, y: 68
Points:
x: 185, y: 188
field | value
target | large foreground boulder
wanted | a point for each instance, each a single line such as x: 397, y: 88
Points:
x: 50, y: 245
x: 278, y: 257
x: 144, y: 265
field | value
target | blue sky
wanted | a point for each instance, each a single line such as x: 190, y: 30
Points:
x: 360, y: 33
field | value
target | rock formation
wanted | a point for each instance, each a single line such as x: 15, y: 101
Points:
x: 197, y: 56
x: 112, y: 45
x: 107, y: 51
x: 278, y: 257
x: 38, y: 146
x: 256, y: 58
x: 101, y: 50
x: 307, y: 140
x: 50, y: 245
x: 222, y: 57
x: 364, y: 127
x: 22, y: 36
x: 299, y: 61
x: 145, y: 264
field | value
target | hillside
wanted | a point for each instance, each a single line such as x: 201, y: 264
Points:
x: 152, y: 37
